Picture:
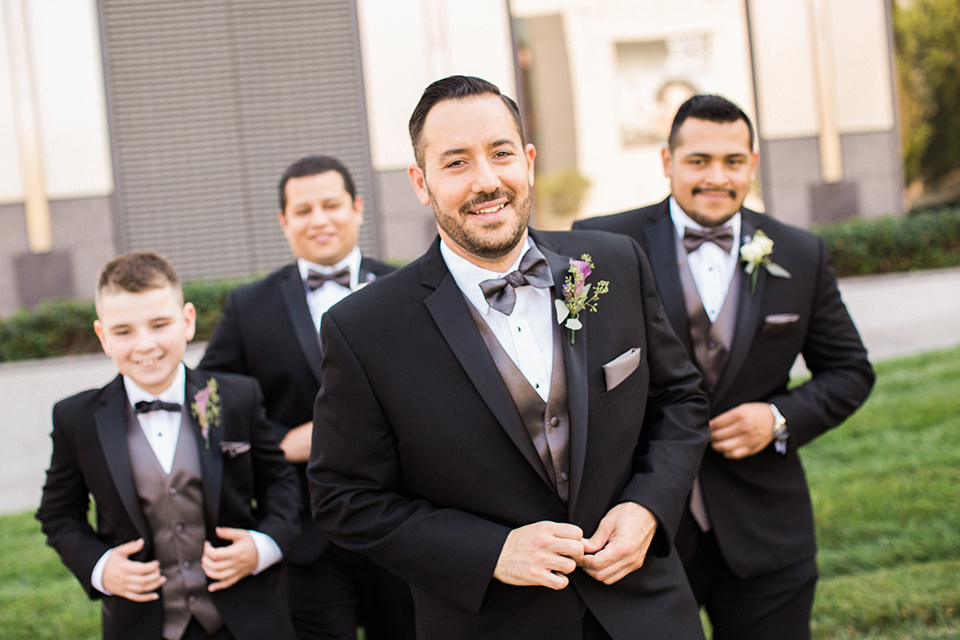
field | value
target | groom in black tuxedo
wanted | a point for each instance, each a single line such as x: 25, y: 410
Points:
x: 525, y: 477
x: 746, y: 294
x: 270, y: 330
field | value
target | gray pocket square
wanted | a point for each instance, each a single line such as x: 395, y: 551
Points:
x: 233, y: 449
x: 618, y: 369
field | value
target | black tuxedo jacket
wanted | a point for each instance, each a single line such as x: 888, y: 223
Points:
x: 760, y: 506
x: 90, y: 457
x: 266, y: 331
x: 420, y: 459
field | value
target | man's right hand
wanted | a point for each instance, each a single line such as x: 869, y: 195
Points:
x: 540, y: 554
x: 137, y: 581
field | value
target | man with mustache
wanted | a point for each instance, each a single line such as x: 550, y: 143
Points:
x: 524, y: 476
x: 746, y: 294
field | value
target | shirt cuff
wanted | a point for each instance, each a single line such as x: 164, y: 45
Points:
x: 96, y: 579
x: 268, y: 552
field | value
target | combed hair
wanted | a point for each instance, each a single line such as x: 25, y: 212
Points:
x: 312, y: 166
x: 137, y: 272
x: 707, y: 107
x: 454, y: 88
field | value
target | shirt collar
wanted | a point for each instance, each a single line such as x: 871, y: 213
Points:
x: 351, y: 261
x: 681, y: 220
x: 174, y: 393
x: 468, y: 276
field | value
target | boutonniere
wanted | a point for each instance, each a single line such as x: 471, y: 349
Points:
x: 206, y: 409
x: 756, y: 253
x: 577, y: 294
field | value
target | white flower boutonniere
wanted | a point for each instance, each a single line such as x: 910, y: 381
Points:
x: 756, y: 253
x: 206, y: 409
x: 576, y: 294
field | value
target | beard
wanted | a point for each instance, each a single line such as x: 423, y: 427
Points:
x: 489, y: 243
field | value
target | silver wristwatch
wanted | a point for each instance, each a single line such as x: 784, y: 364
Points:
x: 780, y: 431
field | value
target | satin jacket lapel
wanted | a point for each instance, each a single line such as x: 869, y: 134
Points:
x: 748, y: 313
x: 211, y: 459
x: 111, y: 421
x: 661, y: 248
x: 448, y: 307
x: 295, y: 299
x: 365, y: 276
x: 575, y: 362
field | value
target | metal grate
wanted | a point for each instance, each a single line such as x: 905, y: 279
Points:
x: 209, y: 101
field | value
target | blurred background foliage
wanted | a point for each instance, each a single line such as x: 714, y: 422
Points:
x: 927, y: 44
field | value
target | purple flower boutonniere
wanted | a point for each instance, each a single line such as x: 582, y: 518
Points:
x: 756, y: 253
x: 206, y: 409
x: 578, y: 294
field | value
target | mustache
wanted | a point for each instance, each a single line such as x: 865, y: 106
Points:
x: 484, y: 197
x: 729, y: 192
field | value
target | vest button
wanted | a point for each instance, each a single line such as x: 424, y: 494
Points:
x: 564, y: 476
x: 554, y: 421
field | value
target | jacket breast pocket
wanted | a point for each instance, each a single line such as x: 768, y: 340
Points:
x: 779, y: 324
x: 630, y: 384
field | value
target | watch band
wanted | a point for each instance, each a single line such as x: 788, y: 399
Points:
x: 780, y: 431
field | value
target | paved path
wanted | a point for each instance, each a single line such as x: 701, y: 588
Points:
x: 898, y: 314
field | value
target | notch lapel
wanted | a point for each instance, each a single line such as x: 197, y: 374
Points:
x: 111, y: 424
x: 661, y: 247
x: 748, y: 312
x: 295, y: 300
x: 447, y: 306
x: 575, y: 362
x: 211, y: 459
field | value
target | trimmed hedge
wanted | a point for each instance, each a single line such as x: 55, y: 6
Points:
x: 60, y: 327
x: 924, y: 240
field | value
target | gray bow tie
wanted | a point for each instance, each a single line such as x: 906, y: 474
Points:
x: 533, y: 271
x: 315, y: 279
x: 722, y: 237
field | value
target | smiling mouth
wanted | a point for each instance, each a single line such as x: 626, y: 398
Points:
x: 489, y: 210
x: 148, y: 362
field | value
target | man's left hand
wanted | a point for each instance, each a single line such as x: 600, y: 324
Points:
x: 742, y: 431
x: 620, y: 544
x: 232, y: 563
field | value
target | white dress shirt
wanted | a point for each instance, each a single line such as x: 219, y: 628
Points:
x: 330, y: 293
x: 712, y: 268
x: 162, y: 430
x: 527, y: 333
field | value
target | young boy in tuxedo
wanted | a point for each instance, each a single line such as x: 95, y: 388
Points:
x: 195, y: 504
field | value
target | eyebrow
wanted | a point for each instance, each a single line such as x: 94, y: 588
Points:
x: 703, y: 154
x: 462, y: 150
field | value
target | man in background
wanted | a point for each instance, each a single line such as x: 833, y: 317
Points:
x: 746, y: 294
x: 270, y: 330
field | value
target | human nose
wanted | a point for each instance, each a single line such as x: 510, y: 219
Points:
x: 145, y: 341
x: 485, y: 178
x: 716, y: 174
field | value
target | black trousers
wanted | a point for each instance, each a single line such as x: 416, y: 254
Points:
x: 331, y: 597
x: 776, y: 605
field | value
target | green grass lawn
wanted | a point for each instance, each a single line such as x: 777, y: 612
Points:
x: 886, y: 489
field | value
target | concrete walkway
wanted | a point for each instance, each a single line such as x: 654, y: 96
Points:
x: 897, y: 314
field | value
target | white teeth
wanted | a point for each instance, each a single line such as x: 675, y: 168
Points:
x: 491, y: 209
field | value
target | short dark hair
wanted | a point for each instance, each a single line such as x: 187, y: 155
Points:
x: 454, y: 88
x: 707, y: 107
x: 137, y: 272
x: 312, y: 166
